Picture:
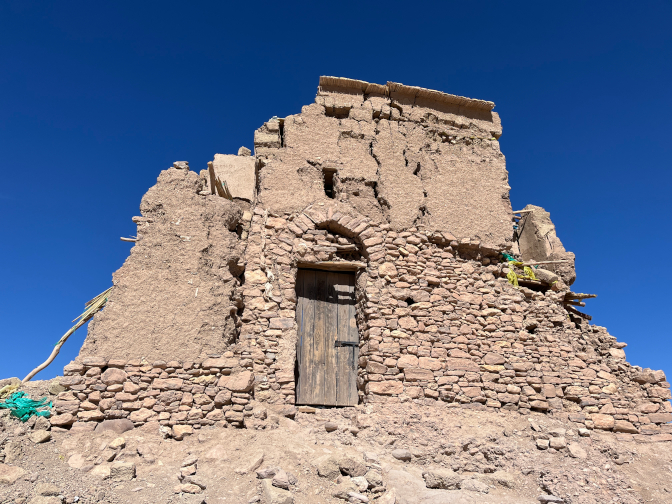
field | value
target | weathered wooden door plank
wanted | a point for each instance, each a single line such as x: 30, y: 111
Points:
x: 354, y: 336
x: 331, y: 333
x: 300, y: 336
x: 353, y: 398
x: 319, y: 339
x: 309, y: 367
x: 347, y: 371
x: 342, y: 351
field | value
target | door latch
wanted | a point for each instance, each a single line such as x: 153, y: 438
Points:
x: 346, y: 343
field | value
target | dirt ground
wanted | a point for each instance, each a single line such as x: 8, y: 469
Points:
x: 318, y: 456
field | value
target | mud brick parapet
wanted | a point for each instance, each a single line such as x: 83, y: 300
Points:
x: 171, y: 393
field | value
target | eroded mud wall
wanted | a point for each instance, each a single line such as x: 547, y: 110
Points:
x: 174, y: 293
x: 400, y: 156
x: 538, y: 241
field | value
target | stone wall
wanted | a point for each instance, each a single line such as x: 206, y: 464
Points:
x: 438, y: 320
x: 476, y: 340
x: 216, y: 390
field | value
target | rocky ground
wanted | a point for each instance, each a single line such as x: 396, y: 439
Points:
x: 412, y: 452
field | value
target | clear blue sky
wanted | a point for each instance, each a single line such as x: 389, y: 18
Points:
x: 97, y: 97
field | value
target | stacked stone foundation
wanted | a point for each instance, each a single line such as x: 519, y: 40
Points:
x: 214, y: 391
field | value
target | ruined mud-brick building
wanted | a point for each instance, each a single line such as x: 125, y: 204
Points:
x: 358, y: 259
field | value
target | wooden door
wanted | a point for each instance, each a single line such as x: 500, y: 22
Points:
x: 327, y: 349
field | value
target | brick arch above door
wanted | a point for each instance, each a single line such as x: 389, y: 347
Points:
x: 347, y: 223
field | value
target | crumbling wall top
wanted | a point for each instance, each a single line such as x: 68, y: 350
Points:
x: 386, y: 89
x: 538, y: 241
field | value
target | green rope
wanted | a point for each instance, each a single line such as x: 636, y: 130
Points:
x: 23, y: 407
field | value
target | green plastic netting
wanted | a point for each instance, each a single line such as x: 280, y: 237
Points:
x: 23, y: 407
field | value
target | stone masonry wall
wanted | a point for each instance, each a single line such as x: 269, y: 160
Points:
x: 438, y: 321
x: 216, y: 390
x: 475, y: 340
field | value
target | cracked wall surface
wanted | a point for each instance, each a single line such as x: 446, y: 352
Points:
x: 174, y: 293
x: 401, y: 156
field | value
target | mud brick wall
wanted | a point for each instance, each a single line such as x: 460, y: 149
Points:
x: 172, y: 393
x: 172, y: 296
x: 401, y: 155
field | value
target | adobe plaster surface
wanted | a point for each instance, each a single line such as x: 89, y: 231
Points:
x: 539, y: 242
x: 400, y: 158
x: 174, y: 293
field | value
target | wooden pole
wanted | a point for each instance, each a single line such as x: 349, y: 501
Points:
x: 54, y: 353
x: 222, y: 189
x: 576, y: 295
x: 93, y: 307
x: 536, y: 263
x: 573, y: 310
